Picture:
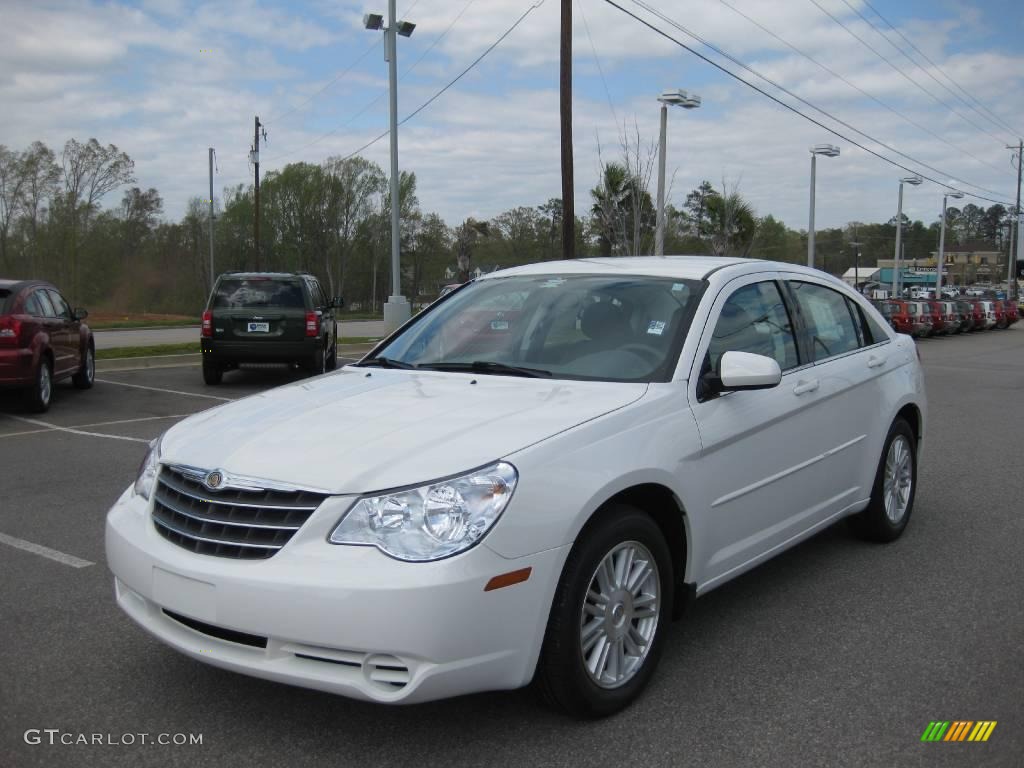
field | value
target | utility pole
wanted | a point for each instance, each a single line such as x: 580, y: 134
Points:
x: 255, y: 155
x: 565, y: 109
x: 211, y: 218
x: 1011, y: 269
x: 856, y: 262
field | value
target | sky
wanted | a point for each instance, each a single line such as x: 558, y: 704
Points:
x: 166, y: 79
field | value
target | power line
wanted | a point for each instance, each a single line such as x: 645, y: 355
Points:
x: 366, y: 107
x: 857, y: 88
x: 454, y: 80
x: 899, y: 71
x: 597, y: 61
x: 799, y: 98
x: 994, y: 117
x: 349, y: 68
x: 779, y: 101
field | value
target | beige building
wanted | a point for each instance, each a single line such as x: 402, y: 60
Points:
x: 964, y: 263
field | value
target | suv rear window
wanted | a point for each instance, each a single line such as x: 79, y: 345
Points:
x: 237, y: 293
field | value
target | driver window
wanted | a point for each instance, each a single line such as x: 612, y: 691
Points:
x: 754, y: 319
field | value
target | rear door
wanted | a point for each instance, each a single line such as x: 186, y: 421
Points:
x: 259, y: 309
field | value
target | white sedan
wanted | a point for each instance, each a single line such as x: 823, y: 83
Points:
x: 526, y: 482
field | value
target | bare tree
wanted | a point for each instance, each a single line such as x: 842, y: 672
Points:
x: 12, y: 180
x: 466, y: 236
x: 42, y: 175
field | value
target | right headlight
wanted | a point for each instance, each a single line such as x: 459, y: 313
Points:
x: 433, y: 521
x: 148, y: 470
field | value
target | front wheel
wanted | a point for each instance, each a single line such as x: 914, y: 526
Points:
x: 608, y: 620
x: 892, y: 496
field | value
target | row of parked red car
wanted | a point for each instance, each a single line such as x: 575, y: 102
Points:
x: 933, y: 317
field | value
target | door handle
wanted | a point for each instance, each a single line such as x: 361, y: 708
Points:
x: 802, y: 387
x: 874, y: 361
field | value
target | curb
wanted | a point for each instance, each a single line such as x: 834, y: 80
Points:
x: 196, y: 358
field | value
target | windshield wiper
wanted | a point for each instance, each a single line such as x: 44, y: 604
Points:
x: 488, y: 366
x: 385, y: 362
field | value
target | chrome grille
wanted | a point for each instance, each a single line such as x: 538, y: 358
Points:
x: 250, y: 523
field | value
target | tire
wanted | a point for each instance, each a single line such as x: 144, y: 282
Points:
x: 212, y: 373
x: 332, y: 360
x: 563, y: 679
x: 86, y: 374
x: 40, y: 394
x: 875, y: 523
x: 318, y: 364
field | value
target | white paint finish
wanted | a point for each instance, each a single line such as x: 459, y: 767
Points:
x: 39, y: 549
x: 755, y: 472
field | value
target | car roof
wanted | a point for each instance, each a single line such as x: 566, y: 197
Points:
x: 683, y: 267
x: 275, y: 275
x: 16, y: 285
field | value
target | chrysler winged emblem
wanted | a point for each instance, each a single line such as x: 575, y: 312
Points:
x: 214, y: 480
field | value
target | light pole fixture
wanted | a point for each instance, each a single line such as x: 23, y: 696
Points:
x: 914, y: 181
x: 678, y: 98
x: 828, y: 150
x: 397, y: 309
x: 956, y: 195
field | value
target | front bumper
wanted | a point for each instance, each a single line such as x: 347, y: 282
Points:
x: 342, y: 619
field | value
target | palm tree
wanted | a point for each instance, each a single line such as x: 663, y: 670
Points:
x: 732, y: 224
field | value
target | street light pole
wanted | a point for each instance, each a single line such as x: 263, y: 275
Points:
x: 915, y: 181
x: 396, y: 310
x: 942, y: 243
x: 679, y: 98
x: 827, y: 150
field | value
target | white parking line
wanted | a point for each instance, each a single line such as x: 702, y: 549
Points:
x: 130, y: 421
x: 76, y: 431
x: 39, y: 549
x: 168, y: 391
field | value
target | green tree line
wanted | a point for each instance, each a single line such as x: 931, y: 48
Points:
x: 57, y: 222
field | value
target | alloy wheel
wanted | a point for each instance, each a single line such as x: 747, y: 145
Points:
x: 620, y: 614
x: 899, y: 478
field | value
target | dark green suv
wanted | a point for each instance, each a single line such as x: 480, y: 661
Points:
x: 268, y: 317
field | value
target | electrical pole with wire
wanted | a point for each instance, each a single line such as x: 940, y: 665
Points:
x: 565, y: 110
x: 1011, y: 267
x: 255, y: 156
x: 211, y: 218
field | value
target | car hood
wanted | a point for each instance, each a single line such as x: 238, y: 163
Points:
x: 359, y: 430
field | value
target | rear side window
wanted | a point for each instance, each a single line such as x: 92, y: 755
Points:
x: 871, y: 332
x: 239, y: 293
x: 45, y: 304
x: 32, y: 306
x: 830, y: 325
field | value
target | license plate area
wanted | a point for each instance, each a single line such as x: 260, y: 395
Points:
x: 255, y: 327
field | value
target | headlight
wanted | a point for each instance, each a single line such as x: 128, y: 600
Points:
x: 432, y: 521
x: 147, y: 470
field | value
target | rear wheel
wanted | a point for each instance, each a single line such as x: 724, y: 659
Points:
x: 332, y: 359
x: 212, y: 373
x: 892, y: 496
x: 39, y: 394
x: 318, y: 364
x: 86, y: 371
x: 608, y: 620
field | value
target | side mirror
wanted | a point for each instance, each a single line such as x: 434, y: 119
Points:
x: 337, y: 302
x: 740, y: 371
x: 80, y: 313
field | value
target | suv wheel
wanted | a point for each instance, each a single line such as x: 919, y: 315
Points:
x: 41, y: 391
x: 332, y: 360
x: 318, y: 364
x: 86, y: 371
x: 212, y: 373
x: 609, y: 616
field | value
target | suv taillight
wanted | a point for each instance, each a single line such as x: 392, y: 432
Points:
x: 10, y: 330
x: 207, y: 332
x: 312, y: 324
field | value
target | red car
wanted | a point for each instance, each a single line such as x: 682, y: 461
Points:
x: 1012, y: 313
x: 42, y: 341
x: 934, y: 308
x: 1000, y: 310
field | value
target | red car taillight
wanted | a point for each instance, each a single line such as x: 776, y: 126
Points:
x: 207, y: 332
x: 312, y: 324
x: 10, y: 330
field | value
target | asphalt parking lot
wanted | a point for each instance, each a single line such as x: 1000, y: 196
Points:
x: 837, y: 653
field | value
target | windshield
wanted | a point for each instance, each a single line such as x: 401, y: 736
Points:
x: 605, y: 328
x: 236, y: 293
